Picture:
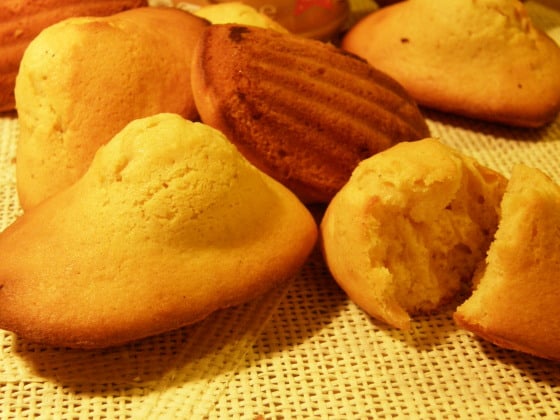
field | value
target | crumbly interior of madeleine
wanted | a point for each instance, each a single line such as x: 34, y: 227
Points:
x: 427, y: 238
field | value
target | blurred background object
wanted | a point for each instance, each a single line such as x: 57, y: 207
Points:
x: 318, y: 19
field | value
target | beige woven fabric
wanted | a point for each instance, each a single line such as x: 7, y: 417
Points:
x: 303, y: 350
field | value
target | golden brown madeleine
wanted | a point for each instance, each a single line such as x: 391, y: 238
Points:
x: 169, y: 224
x: 303, y: 111
x: 516, y: 303
x: 83, y: 79
x: 22, y: 20
x: 481, y: 59
x: 410, y: 227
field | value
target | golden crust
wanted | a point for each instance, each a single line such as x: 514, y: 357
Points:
x: 302, y: 111
x: 83, y: 79
x: 456, y: 56
x: 22, y: 20
x: 169, y: 224
x: 516, y: 304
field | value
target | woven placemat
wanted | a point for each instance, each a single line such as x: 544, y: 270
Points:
x: 304, y: 350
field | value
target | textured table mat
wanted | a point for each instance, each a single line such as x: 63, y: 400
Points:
x: 301, y: 351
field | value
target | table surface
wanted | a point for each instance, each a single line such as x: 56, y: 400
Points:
x: 304, y: 350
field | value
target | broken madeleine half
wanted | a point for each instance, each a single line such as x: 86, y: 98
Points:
x: 516, y: 302
x: 410, y: 227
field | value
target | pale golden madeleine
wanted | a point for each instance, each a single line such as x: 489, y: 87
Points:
x: 516, y: 303
x: 169, y: 224
x: 83, y: 79
x: 410, y: 227
x: 23, y: 20
x: 483, y: 59
x: 237, y: 12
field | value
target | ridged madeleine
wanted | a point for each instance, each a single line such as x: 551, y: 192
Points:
x: 303, y: 111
